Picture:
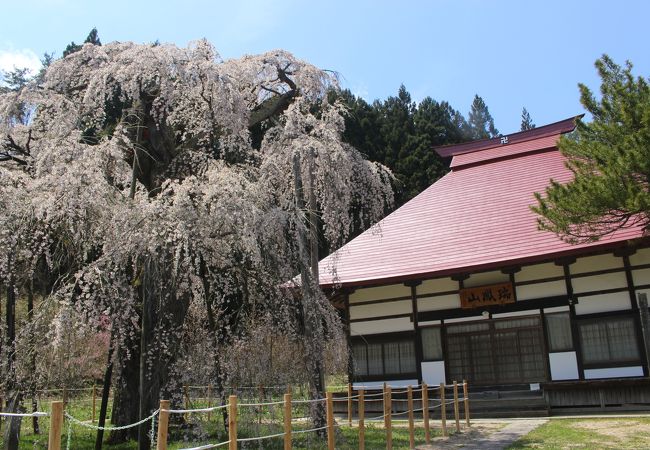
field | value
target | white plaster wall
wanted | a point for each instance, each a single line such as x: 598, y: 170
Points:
x: 541, y: 290
x: 429, y: 322
x: 563, y: 365
x: 593, y: 263
x: 380, y: 309
x: 380, y: 384
x: 539, y: 271
x: 556, y: 309
x: 485, y: 278
x: 441, y: 302
x: 531, y: 312
x: 380, y: 293
x: 642, y: 256
x: 603, y: 303
x: 599, y: 282
x: 614, y: 372
x: 433, y: 372
x: 381, y: 326
x: 467, y: 319
x: 437, y: 285
x: 641, y: 276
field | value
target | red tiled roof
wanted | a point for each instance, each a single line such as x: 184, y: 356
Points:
x: 475, y: 217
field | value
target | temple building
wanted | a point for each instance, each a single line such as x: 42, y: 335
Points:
x: 459, y: 283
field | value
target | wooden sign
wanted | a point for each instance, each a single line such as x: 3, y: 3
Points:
x: 494, y: 294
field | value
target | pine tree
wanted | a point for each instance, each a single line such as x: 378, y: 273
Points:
x: 610, y: 158
x: 92, y: 38
x: 526, y: 121
x: 480, y: 122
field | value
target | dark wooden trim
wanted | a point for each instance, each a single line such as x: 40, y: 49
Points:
x: 605, y: 314
x: 445, y: 351
x: 437, y: 294
x: 540, y: 280
x: 346, y: 302
x: 625, y: 251
x: 511, y: 270
x: 383, y: 300
x: 382, y: 337
x: 385, y: 377
x: 542, y: 317
x: 595, y: 273
x: 514, y: 286
x: 522, y: 305
x: 391, y: 316
x: 572, y: 318
x: 412, y: 283
x: 613, y: 364
x: 645, y: 361
x: 460, y: 277
x: 640, y: 266
x: 599, y: 292
x: 419, y: 352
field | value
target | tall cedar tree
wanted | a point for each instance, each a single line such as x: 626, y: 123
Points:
x: 526, y: 121
x: 92, y: 38
x: 480, y: 121
x: 610, y: 158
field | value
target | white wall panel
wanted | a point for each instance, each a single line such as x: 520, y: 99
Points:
x: 380, y: 309
x: 485, y: 278
x: 541, y: 290
x: 556, y: 309
x: 641, y: 276
x: 598, y: 262
x: 466, y: 319
x: 539, y: 271
x: 381, y: 326
x: 442, y: 302
x: 429, y: 322
x: 380, y: 384
x: 614, y: 372
x: 603, y: 303
x: 380, y: 293
x: 599, y: 282
x: 531, y: 312
x: 433, y: 372
x: 642, y: 256
x: 564, y: 366
x: 437, y: 285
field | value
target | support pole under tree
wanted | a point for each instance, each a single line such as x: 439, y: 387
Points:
x: 362, y: 422
x: 232, y: 422
x: 443, y: 410
x: 645, y: 321
x: 287, y: 421
x: 425, y: 413
x: 108, y: 373
x: 411, y: 419
x: 456, y: 410
x: 56, y: 425
x: 143, y: 391
x: 466, y: 402
x: 388, y: 407
x: 349, y: 404
x: 163, y: 425
x: 330, y: 422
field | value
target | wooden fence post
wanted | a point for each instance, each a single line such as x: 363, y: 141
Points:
x: 56, y: 424
x: 362, y: 431
x: 349, y: 404
x: 287, y: 422
x: 186, y: 394
x: 65, y: 396
x: 388, y: 407
x: 409, y: 397
x: 456, y: 413
x: 94, y: 402
x: 330, y: 422
x: 443, y: 410
x: 232, y: 422
x: 163, y: 425
x: 425, y: 413
x: 466, y: 402
x: 209, y: 399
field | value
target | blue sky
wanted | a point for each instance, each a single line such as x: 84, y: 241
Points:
x: 512, y: 53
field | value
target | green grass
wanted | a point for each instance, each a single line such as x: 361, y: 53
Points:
x: 198, y: 431
x: 597, y: 433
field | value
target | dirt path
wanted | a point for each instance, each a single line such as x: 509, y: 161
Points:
x: 487, y: 435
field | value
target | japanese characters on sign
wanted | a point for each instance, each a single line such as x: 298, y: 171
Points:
x: 494, y: 294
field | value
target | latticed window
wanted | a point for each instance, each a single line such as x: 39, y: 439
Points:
x: 608, y: 340
x: 558, y: 330
x: 384, y: 358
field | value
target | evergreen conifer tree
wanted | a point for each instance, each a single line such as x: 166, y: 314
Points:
x: 480, y: 122
x: 526, y: 121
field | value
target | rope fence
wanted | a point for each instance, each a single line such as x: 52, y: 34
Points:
x: 417, y: 399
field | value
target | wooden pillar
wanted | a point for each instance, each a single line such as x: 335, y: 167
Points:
x: 94, y: 403
x: 425, y: 413
x: 419, y: 352
x: 409, y: 393
x: 330, y: 422
x: 362, y: 425
x: 387, y: 416
x: 163, y: 425
x: 466, y: 402
x: 575, y: 335
x: 287, y: 421
x: 56, y: 424
x: 443, y: 410
x: 456, y: 412
x: 350, y: 404
x: 232, y: 422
